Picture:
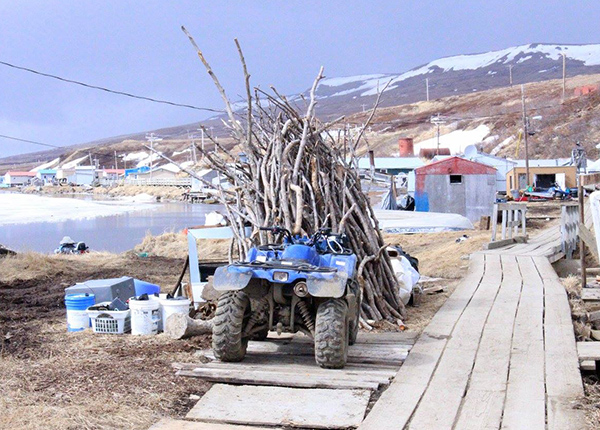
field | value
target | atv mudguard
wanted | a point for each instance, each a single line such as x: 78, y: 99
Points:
x: 324, y: 284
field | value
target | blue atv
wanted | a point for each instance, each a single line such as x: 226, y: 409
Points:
x: 301, y: 284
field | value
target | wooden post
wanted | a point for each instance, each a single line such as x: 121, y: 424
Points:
x: 504, y: 216
x: 581, y: 242
x: 494, y: 222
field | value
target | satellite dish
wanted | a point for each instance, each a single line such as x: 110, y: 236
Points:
x: 471, y: 151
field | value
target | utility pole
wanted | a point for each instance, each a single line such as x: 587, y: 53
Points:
x: 526, y: 133
x: 438, y: 120
x: 510, y: 74
x: 116, y: 165
x: 427, y: 87
x: 564, y: 74
x: 90, y: 157
x: 152, y: 138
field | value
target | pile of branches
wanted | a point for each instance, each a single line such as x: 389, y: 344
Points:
x: 297, y: 174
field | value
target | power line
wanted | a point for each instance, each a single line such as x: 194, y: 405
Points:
x: 95, y: 87
x: 29, y: 141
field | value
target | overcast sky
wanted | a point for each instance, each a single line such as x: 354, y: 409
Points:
x: 138, y: 47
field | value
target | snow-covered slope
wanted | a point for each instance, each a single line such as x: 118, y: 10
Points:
x: 490, y: 66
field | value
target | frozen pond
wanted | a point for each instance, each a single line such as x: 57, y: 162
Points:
x: 114, y: 225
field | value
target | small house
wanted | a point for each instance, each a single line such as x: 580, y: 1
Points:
x: 85, y: 175
x: 47, y: 176
x: 65, y: 176
x: 111, y: 175
x: 15, y: 178
x: 541, y: 176
x: 394, y: 166
x: 456, y: 185
x: 502, y: 166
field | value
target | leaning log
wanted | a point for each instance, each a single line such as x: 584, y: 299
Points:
x: 181, y: 326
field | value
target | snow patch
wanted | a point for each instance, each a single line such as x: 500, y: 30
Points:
x: 74, y: 163
x: 135, y: 156
x: 26, y: 208
x: 176, y: 153
x: 48, y: 165
x: 456, y: 140
x: 501, y: 145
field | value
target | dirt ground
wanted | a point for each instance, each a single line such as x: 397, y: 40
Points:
x: 52, y: 379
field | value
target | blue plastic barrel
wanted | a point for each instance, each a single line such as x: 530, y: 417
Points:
x: 77, y: 316
x: 143, y: 287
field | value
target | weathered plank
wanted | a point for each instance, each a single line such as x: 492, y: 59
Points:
x: 397, y: 404
x: 170, y: 424
x: 295, y: 407
x: 525, y: 405
x: 442, y: 400
x: 483, y: 404
x: 280, y: 379
x: 590, y: 294
x: 588, y: 351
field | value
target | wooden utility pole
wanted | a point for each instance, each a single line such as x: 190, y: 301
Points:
x: 582, y: 248
x: 525, y: 133
x: 427, y: 87
x: 564, y: 89
x: 116, y: 166
x: 437, y: 120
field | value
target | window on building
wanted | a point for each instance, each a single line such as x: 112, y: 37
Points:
x: 456, y: 179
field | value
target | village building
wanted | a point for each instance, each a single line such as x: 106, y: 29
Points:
x: 456, y: 185
x: 15, y: 178
x: 85, y: 175
x: 399, y: 166
x: 111, y: 176
x: 541, y: 176
x: 65, y: 176
x: 47, y: 176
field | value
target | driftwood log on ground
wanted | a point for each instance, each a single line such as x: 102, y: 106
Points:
x: 301, y: 174
x: 181, y: 326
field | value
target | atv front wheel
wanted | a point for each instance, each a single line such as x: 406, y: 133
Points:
x: 232, y: 314
x: 332, y: 334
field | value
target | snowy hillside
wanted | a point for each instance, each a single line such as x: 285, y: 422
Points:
x: 526, y: 60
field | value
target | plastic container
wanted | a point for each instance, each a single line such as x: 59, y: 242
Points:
x: 144, y: 316
x: 77, y: 304
x: 176, y: 305
x: 112, y: 322
x: 143, y: 287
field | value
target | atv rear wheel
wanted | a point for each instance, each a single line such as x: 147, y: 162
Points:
x: 233, y: 311
x: 331, y: 334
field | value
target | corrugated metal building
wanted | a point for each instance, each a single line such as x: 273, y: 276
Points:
x: 456, y: 185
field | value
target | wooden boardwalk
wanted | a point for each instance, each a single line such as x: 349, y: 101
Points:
x: 499, y: 354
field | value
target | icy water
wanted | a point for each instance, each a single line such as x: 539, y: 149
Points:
x: 114, y: 233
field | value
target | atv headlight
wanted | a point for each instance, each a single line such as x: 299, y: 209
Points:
x: 280, y: 276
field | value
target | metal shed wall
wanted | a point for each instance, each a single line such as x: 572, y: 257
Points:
x: 473, y: 197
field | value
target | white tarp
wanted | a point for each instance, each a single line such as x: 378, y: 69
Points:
x: 420, y: 222
x: 595, y: 207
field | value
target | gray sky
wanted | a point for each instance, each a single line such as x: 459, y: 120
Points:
x: 138, y: 47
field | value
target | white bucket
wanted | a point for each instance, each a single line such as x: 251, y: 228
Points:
x: 173, y: 306
x: 144, y: 316
x: 158, y: 298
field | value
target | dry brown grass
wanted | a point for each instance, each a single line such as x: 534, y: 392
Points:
x: 439, y: 254
x: 32, y: 265
x: 175, y: 245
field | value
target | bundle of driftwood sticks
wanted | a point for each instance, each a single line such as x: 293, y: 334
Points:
x: 295, y: 172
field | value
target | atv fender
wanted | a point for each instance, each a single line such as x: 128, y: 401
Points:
x: 226, y: 280
x: 327, y: 285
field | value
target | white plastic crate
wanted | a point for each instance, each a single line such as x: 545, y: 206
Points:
x: 113, y: 322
